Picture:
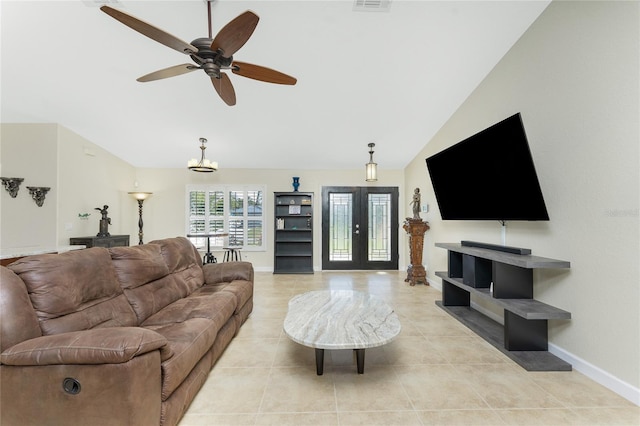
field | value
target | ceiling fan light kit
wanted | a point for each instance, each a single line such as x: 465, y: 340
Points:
x: 203, y: 165
x: 212, y: 55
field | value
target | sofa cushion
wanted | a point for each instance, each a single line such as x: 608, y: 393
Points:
x: 189, y: 341
x: 178, y: 253
x: 242, y: 291
x: 145, y: 279
x: 72, y: 291
x: 110, y: 345
x: 138, y: 265
x: 183, y: 260
x: 19, y: 321
x: 218, y: 308
x: 155, y: 275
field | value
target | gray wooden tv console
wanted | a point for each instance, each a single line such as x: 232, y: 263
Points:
x: 523, y: 338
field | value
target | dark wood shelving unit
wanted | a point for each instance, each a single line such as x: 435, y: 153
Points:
x: 107, y: 242
x: 293, y: 236
x: 506, y: 280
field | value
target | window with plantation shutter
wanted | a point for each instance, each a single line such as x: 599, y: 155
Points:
x: 237, y: 211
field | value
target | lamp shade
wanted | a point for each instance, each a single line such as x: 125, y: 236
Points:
x: 371, y: 167
x: 140, y: 196
x: 372, y: 172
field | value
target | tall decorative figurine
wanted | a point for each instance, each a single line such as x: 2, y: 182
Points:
x: 416, y: 227
x: 416, y: 203
x: 104, y: 222
x: 296, y: 183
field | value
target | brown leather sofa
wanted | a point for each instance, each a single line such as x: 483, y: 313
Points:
x: 119, y: 336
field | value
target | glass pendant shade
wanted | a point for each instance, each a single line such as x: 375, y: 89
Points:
x: 371, y: 167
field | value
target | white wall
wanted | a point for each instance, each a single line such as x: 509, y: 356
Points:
x: 574, y: 76
x: 28, y: 152
x: 82, y: 176
x: 165, y: 211
x: 91, y: 177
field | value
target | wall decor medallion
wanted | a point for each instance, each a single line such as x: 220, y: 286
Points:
x: 12, y: 185
x: 38, y: 193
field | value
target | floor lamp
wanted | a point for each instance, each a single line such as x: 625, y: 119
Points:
x: 140, y: 196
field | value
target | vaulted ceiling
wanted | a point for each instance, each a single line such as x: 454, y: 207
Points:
x: 392, y: 77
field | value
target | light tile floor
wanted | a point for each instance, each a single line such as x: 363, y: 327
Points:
x: 435, y: 372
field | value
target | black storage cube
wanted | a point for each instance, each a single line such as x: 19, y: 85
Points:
x: 512, y: 282
x: 455, y: 264
x: 476, y: 272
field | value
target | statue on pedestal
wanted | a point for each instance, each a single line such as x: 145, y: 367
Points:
x: 104, y: 222
x: 416, y: 227
x: 416, y: 203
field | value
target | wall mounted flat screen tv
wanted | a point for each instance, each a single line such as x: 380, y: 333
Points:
x: 488, y: 176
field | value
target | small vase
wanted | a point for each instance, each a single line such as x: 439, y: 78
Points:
x: 296, y: 183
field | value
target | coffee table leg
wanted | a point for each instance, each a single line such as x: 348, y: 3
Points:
x: 360, y: 360
x: 319, y: 361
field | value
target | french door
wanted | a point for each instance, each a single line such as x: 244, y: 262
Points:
x: 359, y: 228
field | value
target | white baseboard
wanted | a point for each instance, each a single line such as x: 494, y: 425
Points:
x: 598, y: 375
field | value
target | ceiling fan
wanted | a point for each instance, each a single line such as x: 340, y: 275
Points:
x: 213, y: 55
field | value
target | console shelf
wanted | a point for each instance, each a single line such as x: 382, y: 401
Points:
x: 506, y: 280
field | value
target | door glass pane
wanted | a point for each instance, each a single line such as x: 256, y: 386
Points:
x: 379, y: 242
x: 340, y: 228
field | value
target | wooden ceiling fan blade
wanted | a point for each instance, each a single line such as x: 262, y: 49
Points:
x: 224, y: 88
x: 168, y: 72
x: 235, y: 34
x: 265, y: 74
x: 150, y: 31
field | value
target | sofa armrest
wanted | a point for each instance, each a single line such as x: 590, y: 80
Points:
x: 215, y: 273
x: 111, y: 345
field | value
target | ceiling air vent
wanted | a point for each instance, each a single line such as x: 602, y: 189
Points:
x: 98, y: 3
x: 371, y: 5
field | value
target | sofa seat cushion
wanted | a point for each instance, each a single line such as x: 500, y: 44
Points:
x: 241, y: 290
x: 73, y: 291
x: 189, y: 341
x: 217, y: 308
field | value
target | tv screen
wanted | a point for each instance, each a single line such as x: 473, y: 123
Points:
x: 488, y: 176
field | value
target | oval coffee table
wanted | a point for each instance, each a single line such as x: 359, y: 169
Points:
x: 340, y: 319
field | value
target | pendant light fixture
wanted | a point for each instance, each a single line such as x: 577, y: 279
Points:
x: 204, y: 165
x: 371, y: 167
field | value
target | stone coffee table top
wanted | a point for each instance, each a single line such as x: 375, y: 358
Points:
x: 340, y: 319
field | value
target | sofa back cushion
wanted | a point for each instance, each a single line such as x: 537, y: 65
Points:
x: 18, y: 321
x: 145, y: 279
x: 73, y: 291
x: 183, y: 260
x: 157, y: 274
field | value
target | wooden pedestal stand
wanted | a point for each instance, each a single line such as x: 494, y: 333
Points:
x: 416, y: 229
